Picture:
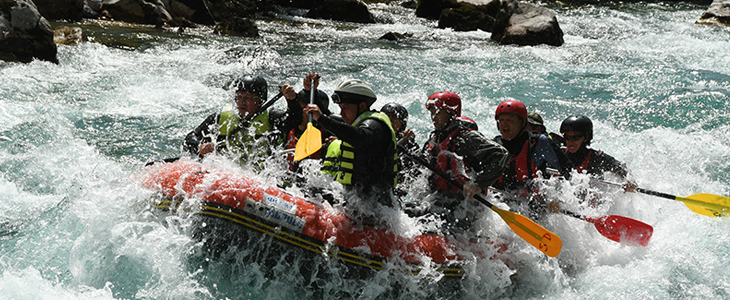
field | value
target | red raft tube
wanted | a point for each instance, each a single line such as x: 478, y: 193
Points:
x: 235, y: 198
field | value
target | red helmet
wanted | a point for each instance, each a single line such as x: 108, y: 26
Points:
x: 445, y: 100
x: 512, y: 106
x: 468, y: 122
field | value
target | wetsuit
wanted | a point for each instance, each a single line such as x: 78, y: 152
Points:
x: 467, y: 156
x: 531, y: 153
x: 363, y: 158
x: 268, y: 129
x: 596, y: 162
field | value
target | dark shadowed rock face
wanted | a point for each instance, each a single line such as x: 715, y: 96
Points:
x: 717, y: 14
x: 70, y: 10
x: 342, y: 10
x: 470, y: 17
x: 525, y: 24
x: 25, y: 34
x: 237, y: 26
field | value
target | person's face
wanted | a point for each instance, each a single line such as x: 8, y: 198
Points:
x: 246, y: 103
x: 439, y: 117
x: 509, y: 125
x: 349, y: 112
x: 397, y: 123
x: 534, y: 128
x: 573, y: 140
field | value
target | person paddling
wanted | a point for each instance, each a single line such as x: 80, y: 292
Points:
x: 297, y: 117
x: 531, y: 154
x: 398, y: 116
x: 363, y: 158
x: 578, y: 132
x: 457, y: 149
x: 240, y: 129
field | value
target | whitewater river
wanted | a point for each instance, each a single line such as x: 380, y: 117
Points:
x: 75, y: 223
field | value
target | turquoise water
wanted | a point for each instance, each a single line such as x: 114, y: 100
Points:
x: 74, y: 223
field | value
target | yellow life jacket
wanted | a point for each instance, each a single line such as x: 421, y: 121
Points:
x: 340, y: 160
x: 248, y: 141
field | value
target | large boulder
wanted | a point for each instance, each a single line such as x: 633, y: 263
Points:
x: 194, y: 10
x: 342, y: 10
x: 225, y: 9
x: 138, y: 11
x: 70, y: 10
x: 470, y: 16
x: 717, y: 14
x: 24, y: 33
x: 431, y: 9
x: 525, y: 24
x: 237, y: 26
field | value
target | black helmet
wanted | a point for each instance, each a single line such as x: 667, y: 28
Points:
x: 252, y: 84
x: 397, y: 110
x: 580, y: 124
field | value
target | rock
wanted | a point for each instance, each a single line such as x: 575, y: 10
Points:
x: 431, y: 9
x: 68, y: 35
x: 194, y: 10
x: 70, y: 10
x: 24, y: 33
x: 395, y: 36
x: 342, y: 10
x: 226, y: 9
x: 138, y: 11
x: 717, y: 14
x: 307, y: 4
x: 525, y: 24
x: 237, y: 26
x: 470, y: 17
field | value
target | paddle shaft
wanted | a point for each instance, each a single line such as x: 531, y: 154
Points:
x: 311, y: 97
x: 640, y: 190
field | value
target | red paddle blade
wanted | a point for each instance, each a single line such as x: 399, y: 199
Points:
x: 623, y: 229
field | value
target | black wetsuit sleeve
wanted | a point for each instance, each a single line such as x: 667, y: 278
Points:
x: 606, y: 163
x: 486, y: 157
x: 371, y: 134
x: 201, y: 134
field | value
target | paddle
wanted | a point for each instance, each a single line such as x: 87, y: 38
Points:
x: 539, y: 237
x: 619, y: 229
x: 245, y: 123
x: 705, y: 204
x: 311, y: 140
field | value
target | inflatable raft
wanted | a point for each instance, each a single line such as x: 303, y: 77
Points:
x: 233, y: 198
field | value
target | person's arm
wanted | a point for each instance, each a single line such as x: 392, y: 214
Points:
x: 369, y: 134
x: 548, y: 154
x: 487, y: 158
x: 607, y: 163
x: 200, y: 135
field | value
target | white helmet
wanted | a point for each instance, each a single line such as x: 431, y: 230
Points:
x: 353, y: 91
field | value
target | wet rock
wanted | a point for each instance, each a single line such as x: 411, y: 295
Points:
x: 717, y: 14
x: 68, y: 35
x: 342, y: 10
x: 237, y: 26
x: 470, y: 17
x: 395, y: 36
x: 138, y: 11
x: 225, y: 9
x: 24, y: 33
x: 431, y: 9
x: 70, y: 10
x: 525, y: 24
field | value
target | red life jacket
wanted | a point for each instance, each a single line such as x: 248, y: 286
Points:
x: 521, y: 168
x: 446, y: 161
x: 583, y: 167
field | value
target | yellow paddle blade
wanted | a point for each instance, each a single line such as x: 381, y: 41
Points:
x: 539, y: 237
x: 309, y: 143
x: 707, y: 204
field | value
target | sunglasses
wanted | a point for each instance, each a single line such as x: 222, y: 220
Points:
x: 572, y: 137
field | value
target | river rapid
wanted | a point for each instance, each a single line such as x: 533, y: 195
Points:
x: 76, y: 224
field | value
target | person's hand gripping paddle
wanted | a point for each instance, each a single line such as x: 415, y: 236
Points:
x: 311, y: 140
